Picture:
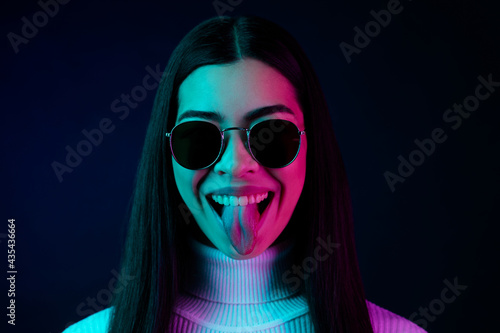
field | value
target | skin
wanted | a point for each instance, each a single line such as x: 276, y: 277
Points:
x: 234, y: 90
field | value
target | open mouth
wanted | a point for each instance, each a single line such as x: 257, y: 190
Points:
x: 261, y: 206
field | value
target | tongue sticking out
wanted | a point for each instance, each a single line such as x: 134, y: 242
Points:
x: 239, y: 223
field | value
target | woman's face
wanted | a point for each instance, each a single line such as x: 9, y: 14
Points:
x: 234, y: 91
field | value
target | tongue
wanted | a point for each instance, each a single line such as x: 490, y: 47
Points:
x: 239, y: 223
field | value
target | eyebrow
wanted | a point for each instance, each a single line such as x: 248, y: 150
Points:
x: 252, y: 115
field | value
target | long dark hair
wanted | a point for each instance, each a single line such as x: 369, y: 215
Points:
x: 156, y: 237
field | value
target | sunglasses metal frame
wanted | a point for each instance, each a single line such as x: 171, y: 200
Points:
x: 247, y: 146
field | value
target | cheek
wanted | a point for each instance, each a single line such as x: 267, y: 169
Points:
x: 188, y: 182
x: 292, y: 177
x: 298, y: 172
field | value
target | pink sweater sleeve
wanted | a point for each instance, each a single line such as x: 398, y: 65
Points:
x: 385, y: 321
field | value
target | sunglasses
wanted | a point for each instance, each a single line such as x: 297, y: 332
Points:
x: 273, y: 143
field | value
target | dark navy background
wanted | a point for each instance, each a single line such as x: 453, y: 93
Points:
x: 439, y: 224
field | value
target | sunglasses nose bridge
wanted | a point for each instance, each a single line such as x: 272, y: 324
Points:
x: 237, y: 160
x: 243, y: 136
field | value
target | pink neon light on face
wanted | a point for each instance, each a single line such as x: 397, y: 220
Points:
x: 233, y: 91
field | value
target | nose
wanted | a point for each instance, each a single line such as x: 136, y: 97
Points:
x: 235, y: 159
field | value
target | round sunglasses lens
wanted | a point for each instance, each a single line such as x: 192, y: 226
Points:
x: 196, y: 144
x: 275, y: 143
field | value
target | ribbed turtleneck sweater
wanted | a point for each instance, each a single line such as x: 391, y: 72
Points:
x: 230, y: 295
x: 222, y: 294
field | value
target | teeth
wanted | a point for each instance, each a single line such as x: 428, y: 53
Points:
x: 239, y: 201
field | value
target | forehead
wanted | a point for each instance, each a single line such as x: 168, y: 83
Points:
x: 234, y: 90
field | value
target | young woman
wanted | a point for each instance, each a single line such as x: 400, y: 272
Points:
x: 241, y: 218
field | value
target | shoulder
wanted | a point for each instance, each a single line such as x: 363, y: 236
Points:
x: 96, y: 323
x: 385, y: 321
